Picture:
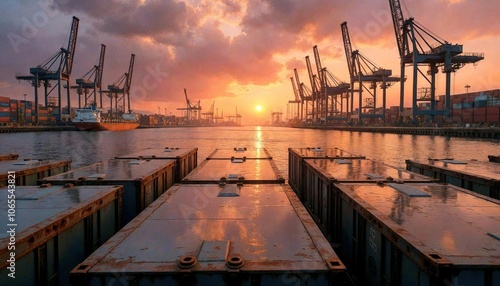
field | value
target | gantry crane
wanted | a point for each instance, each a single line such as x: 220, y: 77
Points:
x: 192, y: 110
x: 297, y: 100
x: 361, y: 70
x: 305, y: 100
x: 236, y: 116
x: 209, y: 116
x: 121, y: 86
x: 314, y: 90
x: 416, y: 49
x: 63, y: 62
x: 331, y: 92
x: 91, y: 81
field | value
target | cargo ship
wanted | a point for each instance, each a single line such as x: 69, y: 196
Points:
x: 90, y: 119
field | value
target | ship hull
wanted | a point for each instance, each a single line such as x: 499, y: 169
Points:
x: 103, y: 126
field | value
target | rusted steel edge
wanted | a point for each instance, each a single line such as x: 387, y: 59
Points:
x: 85, y: 266
x: 463, y: 175
x: 36, y: 169
x: 299, y: 156
x: 324, y: 248
x: 30, y: 238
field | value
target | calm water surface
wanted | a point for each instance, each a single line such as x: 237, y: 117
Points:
x: 85, y: 148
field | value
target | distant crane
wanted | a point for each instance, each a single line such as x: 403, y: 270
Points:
x: 91, y: 81
x: 122, y: 86
x: 236, y: 116
x: 209, y: 116
x: 314, y: 90
x: 63, y: 62
x: 305, y: 101
x: 192, y: 110
x: 297, y: 100
x: 331, y: 91
x: 361, y: 69
x: 415, y: 48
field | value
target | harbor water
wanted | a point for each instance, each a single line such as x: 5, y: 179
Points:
x: 85, y: 148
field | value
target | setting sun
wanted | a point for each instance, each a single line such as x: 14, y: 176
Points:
x: 258, y: 108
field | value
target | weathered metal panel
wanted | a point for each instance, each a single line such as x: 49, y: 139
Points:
x: 296, y: 157
x: 186, y: 159
x: 262, y: 171
x: 52, y: 230
x: 240, y: 152
x: 440, y: 239
x: 7, y: 157
x: 478, y: 176
x: 360, y: 170
x: 191, y: 235
x: 27, y: 172
x: 143, y: 180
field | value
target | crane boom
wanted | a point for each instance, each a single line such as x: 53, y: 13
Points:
x: 301, y: 92
x: 348, y: 50
x: 297, y: 98
x: 68, y: 64
x: 319, y: 67
x: 311, y: 75
x: 130, y: 72
x: 100, y: 67
x: 398, y: 22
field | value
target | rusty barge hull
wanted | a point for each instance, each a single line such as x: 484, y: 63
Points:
x: 105, y: 126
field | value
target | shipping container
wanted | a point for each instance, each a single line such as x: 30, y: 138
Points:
x: 217, y: 235
x: 240, y: 152
x: 7, y: 157
x: 478, y: 176
x: 263, y: 171
x: 186, y: 159
x: 417, y: 234
x: 320, y: 175
x: 27, y: 172
x: 297, y: 156
x: 143, y: 181
x: 54, y: 229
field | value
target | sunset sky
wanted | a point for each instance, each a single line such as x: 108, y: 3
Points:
x: 238, y: 53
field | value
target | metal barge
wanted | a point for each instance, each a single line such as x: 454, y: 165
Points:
x: 230, y: 169
x: 416, y: 234
x: 143, y: 180
x: 240, y: 152
x: 297, y: 156
x: 217, y: 235
x: 53, y: 229
x: 186, y: 159
x: 478, y: 176
x: 227, y: 233
x: 27, y: 172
